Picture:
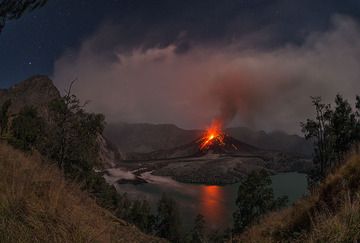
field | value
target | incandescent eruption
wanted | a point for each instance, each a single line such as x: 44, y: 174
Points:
x: 213, y: 134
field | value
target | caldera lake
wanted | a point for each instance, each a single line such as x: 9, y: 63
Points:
x: 216, y: 203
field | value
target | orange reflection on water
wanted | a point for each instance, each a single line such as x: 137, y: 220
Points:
x: 212, y: 204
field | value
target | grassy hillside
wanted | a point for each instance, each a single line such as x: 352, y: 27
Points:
x: 38, y: 205
x: 330, y: 214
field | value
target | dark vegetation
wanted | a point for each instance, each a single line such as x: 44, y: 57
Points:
x: 331, y: 213
x: 334, y: 132
x: 255, y: 198
x: 14, y: 9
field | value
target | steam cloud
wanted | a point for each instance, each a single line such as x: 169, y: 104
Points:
x: 266, y: 89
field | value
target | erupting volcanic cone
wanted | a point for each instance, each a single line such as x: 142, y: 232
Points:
x: 214, y: 140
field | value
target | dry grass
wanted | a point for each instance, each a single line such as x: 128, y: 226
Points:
x: 330, y: 214
x: 38, y: 205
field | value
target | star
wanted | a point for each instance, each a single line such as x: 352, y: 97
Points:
x: 30, y: 63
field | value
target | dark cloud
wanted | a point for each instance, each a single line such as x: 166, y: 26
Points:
x: 43, y: 35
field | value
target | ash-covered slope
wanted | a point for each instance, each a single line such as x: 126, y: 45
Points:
x: 223, y: 160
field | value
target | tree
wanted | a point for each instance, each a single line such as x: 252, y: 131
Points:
x: 357, y: 117
x: 198, y: 232
x: 319, y: 131
x: 168, y: 220
x: 334, y: 132
x: 14, y: 9
x: 255, y: 198
x: 73, y: 134
x: 4, y: 116
x: 343, y: 128
x: 27, y: 128
x: 140, y: 215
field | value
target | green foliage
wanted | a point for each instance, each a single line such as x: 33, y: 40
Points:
x: 255, y: 198
x: 168, y: 220
x: 4, y: 117
x: 27, y: 129
x: 14, y: 9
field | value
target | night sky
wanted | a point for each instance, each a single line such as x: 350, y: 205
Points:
x: 31, y: 44
x: 246, y: 62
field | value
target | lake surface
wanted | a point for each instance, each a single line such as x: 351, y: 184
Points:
x: 216, y: 203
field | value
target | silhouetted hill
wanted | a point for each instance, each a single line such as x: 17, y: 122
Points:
x: 277, y: 140
x: 143, y: 137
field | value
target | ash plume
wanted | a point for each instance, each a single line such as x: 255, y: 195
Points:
x: 266, y: 89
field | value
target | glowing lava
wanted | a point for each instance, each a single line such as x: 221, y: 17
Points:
x: 212, y: 135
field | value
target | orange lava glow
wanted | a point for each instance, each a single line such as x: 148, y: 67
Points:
x: 212, y: 204
x: 212, y: 134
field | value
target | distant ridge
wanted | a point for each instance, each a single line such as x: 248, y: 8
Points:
x: 231, y: 146
x: 145, y: 138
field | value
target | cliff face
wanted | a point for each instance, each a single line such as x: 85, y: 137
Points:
x: 38, y: 91
x: 35, y: 91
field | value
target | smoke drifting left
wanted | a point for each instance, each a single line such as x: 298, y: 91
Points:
x: 267, y: 89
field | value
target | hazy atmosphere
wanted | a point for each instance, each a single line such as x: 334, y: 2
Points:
x: 261, y: 88
x: 251, y: 63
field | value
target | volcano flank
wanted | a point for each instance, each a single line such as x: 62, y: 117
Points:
x: 227, y: 145
x: 213, y: 158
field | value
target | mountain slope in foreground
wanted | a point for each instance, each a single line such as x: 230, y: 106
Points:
x: 330, y: 214
x: 38, y: 205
